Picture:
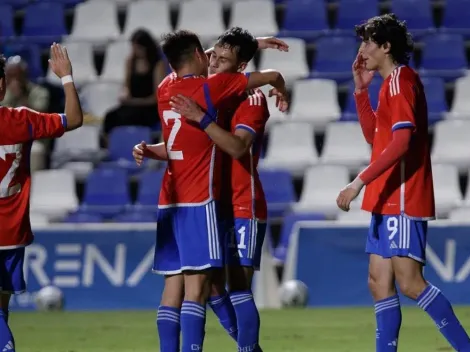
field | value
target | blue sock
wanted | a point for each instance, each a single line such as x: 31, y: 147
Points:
x: 388, y: 318
x: 223, y: 308
x: 7, y: 342
x: 248, y: 321
x: 193, y: 323
x: 433, y: 302
x: 168, y: 325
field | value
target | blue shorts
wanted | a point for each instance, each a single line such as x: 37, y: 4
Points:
x: 187, y: 239
x: 244, y: 242
x: 11, y: 271
x: 397, y: 236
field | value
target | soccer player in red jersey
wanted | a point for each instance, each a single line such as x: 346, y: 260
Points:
x: 20, y: 127
x: 399, y: 191
x: 189, y: 240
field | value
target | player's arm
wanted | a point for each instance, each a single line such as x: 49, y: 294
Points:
x: 149, y: 151
x: 366, y: 114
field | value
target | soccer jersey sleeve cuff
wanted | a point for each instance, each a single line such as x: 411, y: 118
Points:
x: 246, y: 128
x: 64, y: 120
x: 402, y: 124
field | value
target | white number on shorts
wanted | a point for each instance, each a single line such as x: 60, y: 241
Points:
x: 6, y: 189
x: 241, y: 244
x: 392, y: 227
x: 167, y: 116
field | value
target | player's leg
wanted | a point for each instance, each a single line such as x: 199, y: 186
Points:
x: 167, y: 263
x: 382, y: 287
x: 408, y: 268
x: 244, y: 258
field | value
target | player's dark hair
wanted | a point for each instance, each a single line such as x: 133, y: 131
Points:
x: 388, y: 28
x: 179, y: 47
x: 242, y: 41
x: 2, y: 66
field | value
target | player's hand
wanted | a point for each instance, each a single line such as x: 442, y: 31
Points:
x: 59, y: 61
x: 138, y: 152
x: 272, y: 43
x: 186, y: 107
x: 362, y: 76
x: 348, y: 194
x: 282, y: 102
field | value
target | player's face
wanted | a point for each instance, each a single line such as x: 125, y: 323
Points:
x: 373, y: 55
x: 224, y: 59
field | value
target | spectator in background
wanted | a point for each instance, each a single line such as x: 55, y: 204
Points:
x: 20, y: 90
x: 145, y: 69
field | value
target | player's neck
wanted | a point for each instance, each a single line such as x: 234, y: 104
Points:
x: 387, y: 69
x: 187, y: 70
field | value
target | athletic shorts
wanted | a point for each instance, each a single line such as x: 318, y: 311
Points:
x: 11, y: 271
x: 397, y: 236
x: 187, y: 239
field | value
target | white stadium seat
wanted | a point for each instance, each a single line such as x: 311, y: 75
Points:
x: 345, y: 145
x: 322, y: 184
x: 460, y: 214
x: 96, y: 21
x: 291, y: 147
x: 203, y: 17
x: 275, y: 115
x: 315, y: 101
x: 84, y: 71
x: 452, y: 143
x: 151, y: 15
x: 98, y: 98
x: 292, y: 64
x: 53, y: 193
x: 37, y: 156
x: 354, y: 216
x: 115, y: 61
x: 446, y: 189
x: 38, y: 220
x: 257, y: 16
x: 461, y: 104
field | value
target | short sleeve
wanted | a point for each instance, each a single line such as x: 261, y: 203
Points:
x: 41, y: 125
x: 402, y: 102
x: 226, y: 85
x: 252, y: 114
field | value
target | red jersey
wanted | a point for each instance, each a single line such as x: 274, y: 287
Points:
x: 21, y: 126
x: 247, y: 192
x: 193, y: 172
x: 407, y: 187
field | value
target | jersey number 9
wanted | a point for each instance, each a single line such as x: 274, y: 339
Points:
x: 167, y: 116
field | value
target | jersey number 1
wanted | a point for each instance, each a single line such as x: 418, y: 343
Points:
x: 7, y: 170
x: 167, y: 116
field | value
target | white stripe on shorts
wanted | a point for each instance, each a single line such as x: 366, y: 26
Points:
x: 404, y: 232
x: 212, y: 231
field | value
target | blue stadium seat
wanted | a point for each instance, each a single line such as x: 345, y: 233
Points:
x: 444, y: 56
x: 350, y: 112
x: 7, y: 29
x: 334, y: 57
x: 136, y: 217
x: 121, y: 142
x: 82, y: 217
x: 16, y: 3
x: 30, y: 53
x: 455, y: 18
x: 435, y: 96
x: 70, y: 3
x: 106, y: 192
x: 290, y: 220
x: 149, y: 189
x: 304, y: 19
x: 353, y: 12
x: 44, y: 23
x: 417, y: 13
x: 279, y: 191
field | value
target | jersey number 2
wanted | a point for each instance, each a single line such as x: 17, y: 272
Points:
x: 167, y: 116
x: 9, y: 170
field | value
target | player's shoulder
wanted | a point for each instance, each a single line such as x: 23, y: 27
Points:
x: 254, y: 97
x: 167, y: 80
x: 402, y: 77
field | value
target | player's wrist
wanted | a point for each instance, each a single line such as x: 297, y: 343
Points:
x: 359, y: 90
x: 205, y: 121
x: 357, y: 184
x: 66, y: 79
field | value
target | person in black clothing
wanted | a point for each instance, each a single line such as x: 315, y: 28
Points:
x: 145, y: 69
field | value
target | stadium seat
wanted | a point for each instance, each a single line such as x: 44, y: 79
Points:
x: 122, y: 140
x: 315, y: 101
x: 194, y: 14
x: 37, y: 156
x: 81, y: 144
x: 461, y: 104
x: 292, y: 64
x: 443, y: 56
x: 275, y: 115
x: 322, y: 185
x: 136, y: 217
x: 16, y: 3
x: 81, y: 217
x: 435, y: 97
x: 84, y: 71
x: 452, y: 143
x: 44, y: 23
x: 290, y: 147
x: 353, y: 12
x: 460, y: 214
x: 38, y: 220
x: 334, y: 56
x: 98, y: 98
x: 53, y: 193
x: 30, y: 53
x: 279, y: 191
x: 416, y: 13
x: 257, y: 16
x: 345, y: 145
x: 447, y: 193
x: 7, y: 29
x: 149, y: 189
x: 81, y: 169
x: 142, y: 13
x: 115, y: 62
x: 288, y: 227
x: 350, y: 112
x: 70, y: 3
x: 455, y: 19
x: 95, y: 21
x: 106, y: 192
x: 304, y: 19
x: 357, y: 216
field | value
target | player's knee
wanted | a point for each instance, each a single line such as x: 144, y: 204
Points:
x: 197, y: 286
x: 411, y: 285
x: 240, y: 278
x: 380, y: 288
x: 218, y: 283
x: 173, y: 291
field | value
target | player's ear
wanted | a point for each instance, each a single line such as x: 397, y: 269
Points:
x: 386, y: 47
x: 242, y: 66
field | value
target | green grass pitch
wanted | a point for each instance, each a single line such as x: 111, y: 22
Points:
x: 298, y: 330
